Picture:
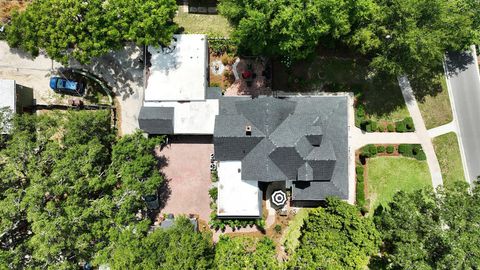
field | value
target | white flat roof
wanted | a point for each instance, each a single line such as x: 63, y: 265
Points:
x: 7, y: 94
x: 194, y: 117
x: 236, y: 197
x: 179, y: 74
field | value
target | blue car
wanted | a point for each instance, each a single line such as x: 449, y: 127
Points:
x: 68, y: 87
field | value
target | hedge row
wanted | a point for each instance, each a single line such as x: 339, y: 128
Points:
x: 412, y: 150
x: 364, y: 123
x: 405, y: 125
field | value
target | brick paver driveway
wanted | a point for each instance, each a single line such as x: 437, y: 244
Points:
x: 188, y: 174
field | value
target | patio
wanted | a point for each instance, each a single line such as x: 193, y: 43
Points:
x: 252, y: 77
x: 187, y: 173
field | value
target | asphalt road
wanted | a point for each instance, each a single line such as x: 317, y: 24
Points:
x: 464, y: 85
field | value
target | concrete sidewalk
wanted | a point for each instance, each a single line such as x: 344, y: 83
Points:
x: 360, y: 138
x: 421, y: 131
x: 441, y: 130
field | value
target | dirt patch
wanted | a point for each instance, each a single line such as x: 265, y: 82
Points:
x: 7, y: 6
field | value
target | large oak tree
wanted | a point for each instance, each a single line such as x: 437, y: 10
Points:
x: 85, y: 29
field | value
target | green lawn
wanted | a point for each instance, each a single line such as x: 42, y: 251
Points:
x: 212, y: 25
x: 387, y: 175
x: 448, y: 154
x: 435, y: 108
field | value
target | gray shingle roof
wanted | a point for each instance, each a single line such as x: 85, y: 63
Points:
x: 299, y: 139
x: 156, y: 120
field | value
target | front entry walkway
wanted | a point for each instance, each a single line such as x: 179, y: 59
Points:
x: 421, y: 131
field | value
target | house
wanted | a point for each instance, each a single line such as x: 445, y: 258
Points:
x: 298, y: 142
x: 177, y: 97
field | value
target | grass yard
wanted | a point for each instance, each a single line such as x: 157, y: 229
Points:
x: 388, y: 175
x: 212, y: 25
x: 435, y: 108
x: 448, y: 154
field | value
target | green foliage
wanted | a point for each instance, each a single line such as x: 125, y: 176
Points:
x: 412, y: 150
x: 178, y: 247
x: 245, y: 253
x: 292, y: 233
x: 86, y: 29
x: 359, y: 169
x: 415, y: 34
x: 213, y: 192
x: 369, y: 151
x: 381, y: 128
x: 422, y: 230
x: 278, y: 228
x: 380, y: 149
x: 336, y: 237
x: 64, y: 178
x: 374, y: 125
x: 220, y: 46
x: 390, y: 149
x: 214, y: 176
x: 400, y: 126
x: 285, y: 29
x: 390, y: 128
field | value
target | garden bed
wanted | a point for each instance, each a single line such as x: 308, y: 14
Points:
x: 448, y: 154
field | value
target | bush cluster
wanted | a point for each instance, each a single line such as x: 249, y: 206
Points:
x: 360, y: 187
x: 221, y: 224
x: 213, y: 192
x: 218, y: 46
x: 390, y: 149
x: 369, y: 151
x: 405, y: 125
x: 412, y: 150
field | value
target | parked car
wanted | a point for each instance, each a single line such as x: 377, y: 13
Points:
x: 68, y: 87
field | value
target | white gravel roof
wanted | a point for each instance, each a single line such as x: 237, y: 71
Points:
x: 179, y: 72
x: 237, y: 197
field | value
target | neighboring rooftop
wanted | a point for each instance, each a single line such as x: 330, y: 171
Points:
x: 302, y: 140
x: 179, y: 71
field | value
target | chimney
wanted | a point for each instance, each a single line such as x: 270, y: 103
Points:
x: 248, y: 130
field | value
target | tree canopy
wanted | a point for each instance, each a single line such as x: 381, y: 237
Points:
x: 62, y: 199
x: 245, y: 253
x: 400, y: 37
x: 424, y: 230
x: 85, y: 29
x: 178, y: 247
x: 335, y: 237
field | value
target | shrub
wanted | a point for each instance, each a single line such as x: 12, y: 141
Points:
x: 381, y: 149
x: 360, y: 177
x: 359, y: 169
x: 390, y: 149
x: 405, y: 149
x: 400, y: 126
x: 390, y: 128
x: 360, y: 112
x: 360, y: 194
x: 372, y: 149
x: 374, y: 125
x: 421, y: 155
x: 213, y: 192
x: 381, y: 128
x: 409, y: 124
x: 214, y: 176
x: 368, y: 128
x: 417, y: 148
x: 278, y: 228
x: 364, y: 124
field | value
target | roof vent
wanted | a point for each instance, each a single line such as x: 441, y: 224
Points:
x: 248, y: 130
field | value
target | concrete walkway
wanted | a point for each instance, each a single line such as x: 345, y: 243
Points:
x: 360, y: 138
x: 441, y: 130
x: 421, y: 131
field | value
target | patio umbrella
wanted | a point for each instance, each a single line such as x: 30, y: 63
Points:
x: 279, y: 198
